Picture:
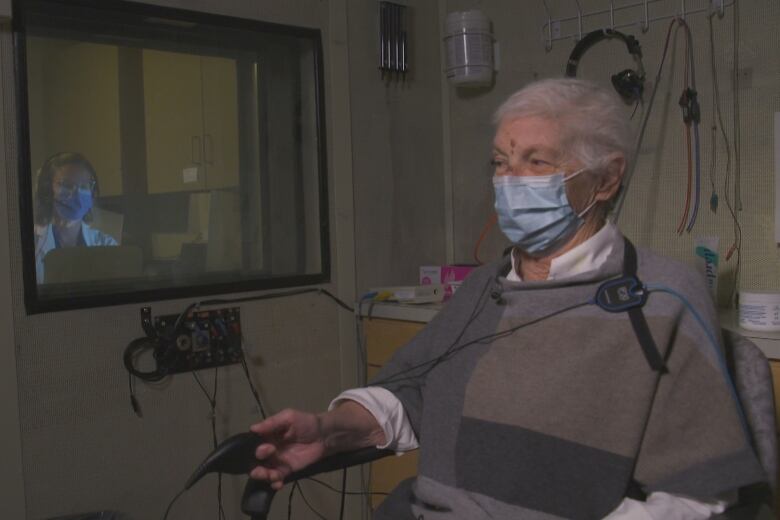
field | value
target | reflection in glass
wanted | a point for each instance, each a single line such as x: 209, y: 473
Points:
x: 204, y: 160
x: 66, y: 188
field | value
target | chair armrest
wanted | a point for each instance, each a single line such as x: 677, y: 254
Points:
x: 341, y: 460
x: 257, y: 498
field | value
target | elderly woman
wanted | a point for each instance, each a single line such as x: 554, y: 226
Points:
x: 67, y: 187
x: 527, y: 399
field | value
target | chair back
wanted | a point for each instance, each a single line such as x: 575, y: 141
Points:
x: 753, y: 380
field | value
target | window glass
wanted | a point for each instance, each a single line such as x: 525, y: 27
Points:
x: 167, y: 153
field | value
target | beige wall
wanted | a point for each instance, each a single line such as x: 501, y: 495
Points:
x: 396, y: 150
x: 82, y: 448
x: 656, y: 197
x: 11, y: 478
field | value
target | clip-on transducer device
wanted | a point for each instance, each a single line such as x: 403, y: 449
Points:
x: 621, y: 294
x: 628, y: 294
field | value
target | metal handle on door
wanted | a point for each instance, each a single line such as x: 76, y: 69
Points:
x: 196, y: 150
x: 208, y: 154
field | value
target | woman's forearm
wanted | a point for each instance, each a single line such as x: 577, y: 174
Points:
x: 349, y: 426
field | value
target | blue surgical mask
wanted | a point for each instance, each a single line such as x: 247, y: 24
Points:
x: 534, y: 212
x: 75, y: 206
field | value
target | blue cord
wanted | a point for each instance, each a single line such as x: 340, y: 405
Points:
x: 714, y: 342
x: 367, y: 296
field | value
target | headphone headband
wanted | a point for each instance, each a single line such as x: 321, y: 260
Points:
x: 628, y: 83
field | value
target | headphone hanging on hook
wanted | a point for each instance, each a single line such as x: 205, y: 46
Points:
x: 629, y: 83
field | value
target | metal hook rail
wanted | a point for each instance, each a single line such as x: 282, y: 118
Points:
x: 643, y: 19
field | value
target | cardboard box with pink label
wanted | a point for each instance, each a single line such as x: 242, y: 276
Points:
x: 450, y: 276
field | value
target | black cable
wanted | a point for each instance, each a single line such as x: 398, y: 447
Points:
x: 455, y: 348
x: 251, y: 385
x: 737, y: 128
x: 281, y: 294
x: 133, y: 349
x: 311, y: 508
x: 212, y: 399
x: 362, y: 365
x: 170, y: 505
x: 133, y: 399
x: 220, y: 509
x: 737, y: 243
x: 636, y: 106
x: 362, y: 373
x: 290, y: 499
x: 202, y: 388
x: 343, y: 492
x: 337, y: 300
x: 335, y: 490
x: 642, y: 128
x: 695, y: 116
x: 181, y: 318
x: 713, y: 137
x: 476, y: 311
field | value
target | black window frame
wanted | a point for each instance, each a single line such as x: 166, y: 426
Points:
x: 115, y: 9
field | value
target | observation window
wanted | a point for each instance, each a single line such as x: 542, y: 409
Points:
x: 166, y: 153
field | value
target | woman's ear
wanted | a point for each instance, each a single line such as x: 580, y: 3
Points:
x: 613, y: 177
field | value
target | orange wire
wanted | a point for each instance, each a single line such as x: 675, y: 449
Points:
x: 684, y: 218
x: 489, y: 224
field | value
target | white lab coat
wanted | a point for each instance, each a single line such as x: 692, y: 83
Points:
x: 44, y: 242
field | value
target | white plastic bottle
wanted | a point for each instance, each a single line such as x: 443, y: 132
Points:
x: 469, y: 44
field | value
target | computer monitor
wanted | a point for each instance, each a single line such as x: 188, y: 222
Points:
x: 88, y: 264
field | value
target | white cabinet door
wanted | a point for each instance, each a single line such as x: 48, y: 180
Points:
x: 220, y: 122
x: 173, y: 114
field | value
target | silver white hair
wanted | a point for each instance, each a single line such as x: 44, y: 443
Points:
x: 592, y: 118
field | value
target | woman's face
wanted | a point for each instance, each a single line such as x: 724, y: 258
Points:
x: 531, y: 146
x: 73, y: 189
x: 69, y: 178
x: 528, y: 146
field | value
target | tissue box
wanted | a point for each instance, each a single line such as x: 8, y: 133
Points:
x: 430, y: 274
x: 450, y: 276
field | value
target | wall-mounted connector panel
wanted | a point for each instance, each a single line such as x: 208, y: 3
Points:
x: 204, y: 339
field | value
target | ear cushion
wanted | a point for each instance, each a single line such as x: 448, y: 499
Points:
x: 629, y: 84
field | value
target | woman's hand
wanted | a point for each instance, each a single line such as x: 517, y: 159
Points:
x: 291, y: 441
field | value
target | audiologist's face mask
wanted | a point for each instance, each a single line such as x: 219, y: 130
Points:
x: 75, y: 206
x: 534, y: 212
x: 73, y: 189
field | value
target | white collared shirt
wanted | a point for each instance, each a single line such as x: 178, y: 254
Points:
x: 588, y: 256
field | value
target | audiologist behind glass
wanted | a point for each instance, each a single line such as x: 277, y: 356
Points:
x: 67, y: 187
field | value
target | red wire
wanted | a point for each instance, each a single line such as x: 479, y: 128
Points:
x: 489, y: 224
x: 684, y: 218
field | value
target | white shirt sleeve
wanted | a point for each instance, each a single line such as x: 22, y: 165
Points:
x: 665, y: 506
x: 388, y: 412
